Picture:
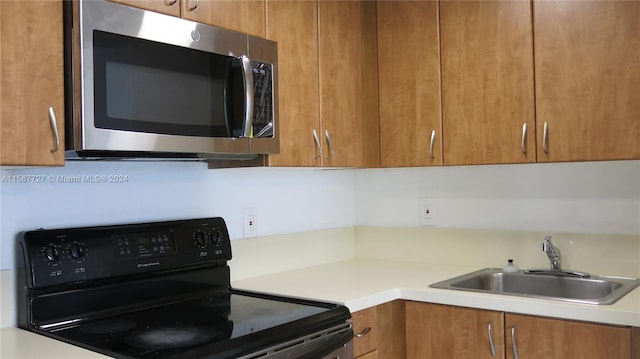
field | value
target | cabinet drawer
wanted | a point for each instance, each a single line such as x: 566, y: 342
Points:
x: 364, y: 327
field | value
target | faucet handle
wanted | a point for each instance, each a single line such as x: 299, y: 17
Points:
x: 547, y: 246
x: 552, y: 252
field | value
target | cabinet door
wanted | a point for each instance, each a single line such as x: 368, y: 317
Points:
x: 247, y: 16
x: 441, y: 331
x: 169, y: 7
x: 487, y: 82
x: 587, y: 79
x: 31, y: 77
x: 391, y: 339
x: 294, y: 25
x: 341, y: 54
x: 409, y: 83
x: 547, y: 338
x: 370, y: 355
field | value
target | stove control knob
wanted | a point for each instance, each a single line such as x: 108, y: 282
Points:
x: 77, y: 250
x: 216, y: 238
x: 200, y: 238
x: 52, y: 253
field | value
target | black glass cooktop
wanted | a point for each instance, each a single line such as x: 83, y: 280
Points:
x: 161, y: 290
x: 224, y: 324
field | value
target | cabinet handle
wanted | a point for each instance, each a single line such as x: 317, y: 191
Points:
x: 318, y: 146
x: 523, y: 145
x: 330, y: 142
x: 492, y: 346
x: 54, y: 127
x: 195, y: 5
x: 431, y: 142
x: 545, y: 138
x: 513, y: 343
x: 364, y: 332
x: 171, y: 2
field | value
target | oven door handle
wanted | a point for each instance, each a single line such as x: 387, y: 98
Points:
x: 331, y: 343
x: 247, y: 75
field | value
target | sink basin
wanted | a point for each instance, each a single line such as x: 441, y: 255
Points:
x: 592, y: 290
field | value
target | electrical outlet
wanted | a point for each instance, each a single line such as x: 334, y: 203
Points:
x: 426, y: 212
x: 249, y: 222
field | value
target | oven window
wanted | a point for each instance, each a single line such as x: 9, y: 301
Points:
x: 146, y: 86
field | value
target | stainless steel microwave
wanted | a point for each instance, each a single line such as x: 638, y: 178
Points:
x: 147, y: 85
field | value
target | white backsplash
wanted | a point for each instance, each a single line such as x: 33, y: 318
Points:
x: 587, y: 197
x: 286, y: 200
x: 610, y: 254
x: 590, y: 197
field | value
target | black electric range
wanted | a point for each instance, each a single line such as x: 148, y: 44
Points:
x: 162, y: 290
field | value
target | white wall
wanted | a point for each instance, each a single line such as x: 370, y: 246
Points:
x: 589, y: 197
x: 286, y: 200
x: 596, y: 197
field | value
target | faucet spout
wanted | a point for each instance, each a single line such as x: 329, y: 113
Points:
x: 553, y: 253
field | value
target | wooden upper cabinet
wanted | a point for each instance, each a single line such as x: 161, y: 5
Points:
x: 294, y: 25
x: 247, y: 16
x: 442, y: 331
x: 169, y: 7
x: 348, y: 115
x: 409, y: 83
x: 487, y: 82
x: 548, y: 338
x: 31, y: 83
x: 587, y: 59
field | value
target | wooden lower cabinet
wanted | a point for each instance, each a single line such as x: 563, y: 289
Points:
x: 365, y: 331
x: 371, y: 355
x: 379, y: 332
x: 537, y: 337
x: 442, y: 331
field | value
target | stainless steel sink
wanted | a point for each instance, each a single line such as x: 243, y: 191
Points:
x: 592, y: 290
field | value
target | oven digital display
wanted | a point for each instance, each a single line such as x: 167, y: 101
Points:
x: 133, y: 246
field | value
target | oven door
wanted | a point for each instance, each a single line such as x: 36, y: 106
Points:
x: 332, y: 343
x: 344, y: 352
x: 154, y: 83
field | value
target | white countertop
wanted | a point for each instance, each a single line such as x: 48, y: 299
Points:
x: 360, y: 284
x: 363, y: 283
x: 17, y: 343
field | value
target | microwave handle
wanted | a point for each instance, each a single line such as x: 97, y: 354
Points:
x: 247, y: 74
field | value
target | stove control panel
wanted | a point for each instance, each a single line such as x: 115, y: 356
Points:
x: 72, y: 255
x: 133, y: 246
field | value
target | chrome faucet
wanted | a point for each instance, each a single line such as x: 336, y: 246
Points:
x: 552, y: 252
